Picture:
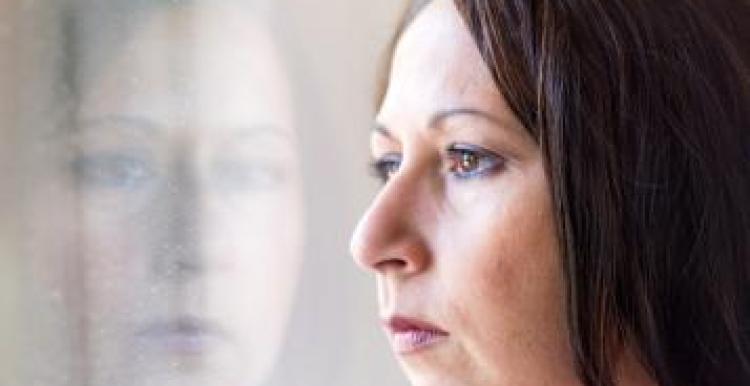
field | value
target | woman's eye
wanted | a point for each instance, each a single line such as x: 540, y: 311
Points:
x: 468, y: 161
x: 111, y: 171
x: 386, y: 166
x: 243, y: 175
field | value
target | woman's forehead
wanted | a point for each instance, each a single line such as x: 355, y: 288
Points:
x: 436, y: 65
x: 208, y: 71
x: 437, y: 39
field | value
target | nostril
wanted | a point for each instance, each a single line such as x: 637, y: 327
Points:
x: 192, y: 266
x: 389, y: 236
x: 390, y: 264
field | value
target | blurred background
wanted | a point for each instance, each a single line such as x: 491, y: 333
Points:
x: 179, y: 183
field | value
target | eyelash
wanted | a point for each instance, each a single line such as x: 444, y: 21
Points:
x: 383, y: 167
x: 483, y: 162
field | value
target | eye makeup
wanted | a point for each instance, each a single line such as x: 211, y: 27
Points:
x: 467, y: 161
x: 384, y: 167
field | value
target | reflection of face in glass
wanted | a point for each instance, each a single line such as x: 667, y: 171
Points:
x: 183, y: 167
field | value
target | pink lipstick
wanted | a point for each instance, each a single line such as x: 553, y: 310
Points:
x: 412, y: 335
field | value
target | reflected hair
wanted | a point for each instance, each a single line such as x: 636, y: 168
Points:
x: 641, y: 110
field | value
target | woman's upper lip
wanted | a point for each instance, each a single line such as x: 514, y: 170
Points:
x: 400, y: 324
x: 185, y: 325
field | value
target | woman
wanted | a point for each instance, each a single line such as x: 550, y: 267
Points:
x: 564, y: 198
x: 166, y: 217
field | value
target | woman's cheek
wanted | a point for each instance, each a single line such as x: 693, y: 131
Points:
x: 504, y: 264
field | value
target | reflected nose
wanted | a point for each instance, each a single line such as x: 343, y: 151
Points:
x: 390, y: 235
x: 179, y: 252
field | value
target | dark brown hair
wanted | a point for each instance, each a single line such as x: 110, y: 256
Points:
x: 641, y: 109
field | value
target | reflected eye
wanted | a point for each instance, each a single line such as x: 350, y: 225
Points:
x: 386, y: 166
x: 241, y: 175
x: 111, y: 171
x: 469, y: 161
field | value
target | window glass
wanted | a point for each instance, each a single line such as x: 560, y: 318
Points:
x: 179, y: 182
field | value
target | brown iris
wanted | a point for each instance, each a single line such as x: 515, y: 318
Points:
x: 468, y: 162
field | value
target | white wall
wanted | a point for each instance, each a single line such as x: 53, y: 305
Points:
x: 342, y: 49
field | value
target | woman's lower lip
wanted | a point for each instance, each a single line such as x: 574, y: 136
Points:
x: 185, y: 344
x: 183, y: 336
x: 412, y: 341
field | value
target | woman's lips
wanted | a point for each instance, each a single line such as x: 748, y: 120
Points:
x: 186, y: 335
x: 410, y: 335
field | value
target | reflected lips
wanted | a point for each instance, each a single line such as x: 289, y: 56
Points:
x: 187, y: 335
x: 412, y: 335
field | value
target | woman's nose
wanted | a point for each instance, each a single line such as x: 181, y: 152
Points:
x: 180, y: 248
x: 390, y: 236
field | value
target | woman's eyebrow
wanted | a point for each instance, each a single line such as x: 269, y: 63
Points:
x: 509, y: 123
x: 114, y: 121
x: 436, y: 119
x: 118, y: 120
x: 382, y: 130
x: 249, y: 132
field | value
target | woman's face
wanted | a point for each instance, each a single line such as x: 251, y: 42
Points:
x: 461, y: 236
x: 183, y: 205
